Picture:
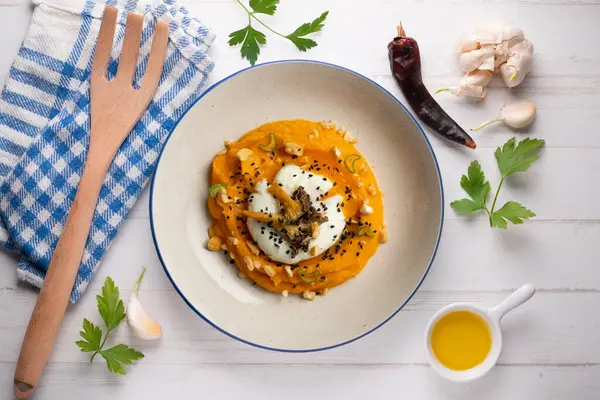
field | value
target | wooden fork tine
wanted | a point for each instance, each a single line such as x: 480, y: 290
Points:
x: 131, y: 48
x: 104, y: 43
x: 156, y: 59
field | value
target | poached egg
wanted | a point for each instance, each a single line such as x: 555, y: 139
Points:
x: 290, y: 178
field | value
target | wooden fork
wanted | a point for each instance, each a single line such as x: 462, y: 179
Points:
x: 115, y: 108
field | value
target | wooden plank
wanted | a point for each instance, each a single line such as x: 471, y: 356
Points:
x: 470, y: 253
x: 553, y: 328
x: 295, y: 382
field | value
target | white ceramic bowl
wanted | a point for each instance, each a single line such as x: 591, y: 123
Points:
x: 390, y: 139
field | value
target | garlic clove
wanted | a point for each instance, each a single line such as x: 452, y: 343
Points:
x: 516, y: 68
x: 477, y: 78
x: 500, y: 59
x: 471, y: 85
x: 516, y: 115
x: 498, y: 33
x: 524, y: 47
x: 518, y: 64
x: 468, y: 43
x: 143, y: 326
x: 488, y: 64
x: 473, y: 59
x: 473, y: 91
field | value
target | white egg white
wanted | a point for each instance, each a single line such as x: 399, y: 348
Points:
x: 290, y: 178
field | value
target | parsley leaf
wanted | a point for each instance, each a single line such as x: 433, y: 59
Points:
x: 465, y: 206
x: 112, y: 310
x: 110, y: 307
x: 92, y: 336
x: 511, y: 158
x: 316, y: 25
x: 251, y: 46
x: 264, y: 6
x: 252, y: 39
x: 117, y: 356
x: 476, y: 186
x: 512, y: 211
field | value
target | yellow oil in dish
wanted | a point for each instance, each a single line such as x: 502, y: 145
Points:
x: 461, y: 340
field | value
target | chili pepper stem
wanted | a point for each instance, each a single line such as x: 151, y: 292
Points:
x: 486, y: 123
x: 400, y: 30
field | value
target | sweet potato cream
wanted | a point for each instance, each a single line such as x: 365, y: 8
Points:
x: 296, y: 207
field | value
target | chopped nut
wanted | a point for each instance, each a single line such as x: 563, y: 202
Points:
x: 336, y: 152
x: 327, y: 124
x: 214, y: 243
x: 244, y: 154
x: 288, y: 271
x: 360, y: 184
x: 315, y: 250
x: 224, y: 247
x: 324, y: 292
x: 371, y: 189
x: 222, y: 193
x: 241, y: 275
x: 269, y: 271
x: 293, y: 149
x: 347, y: 136
x: 232, y: 256
x: 227, y: 143
x: 314, y: 134
x: 257, y: 263
x: 232, y: 241
x: 366, y: 209
x: 253, y: 248
x: 315, y: 230
x: 362, y: 243
x: 285, y: 293
x: 249, y: 263
x: 383, y: 235
x: 308, y: 295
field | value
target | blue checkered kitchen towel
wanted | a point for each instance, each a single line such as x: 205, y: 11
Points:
x: 44, y: 125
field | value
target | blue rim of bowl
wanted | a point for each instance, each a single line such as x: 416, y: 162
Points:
x: 260, y: 346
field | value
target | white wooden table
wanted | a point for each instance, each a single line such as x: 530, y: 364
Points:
x: 552, y: 344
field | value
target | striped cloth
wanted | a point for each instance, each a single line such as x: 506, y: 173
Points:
x: 44, y: 125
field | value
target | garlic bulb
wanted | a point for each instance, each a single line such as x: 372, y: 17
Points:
x: 516, y: 115
x: 518, y: 64
x: 496, y: 48
x: 143, y: 326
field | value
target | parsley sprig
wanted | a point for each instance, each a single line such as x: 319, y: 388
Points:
x: 511, y: 159
x: 252, y: 39
x: 112, y: 310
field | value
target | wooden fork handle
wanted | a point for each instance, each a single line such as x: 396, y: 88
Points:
x: 60, y: 278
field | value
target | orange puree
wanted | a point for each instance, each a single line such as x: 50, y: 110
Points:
x: 325, y: 150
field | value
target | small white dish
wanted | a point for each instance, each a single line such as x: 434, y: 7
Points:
x: 389, y: 137
x: 492, y: 317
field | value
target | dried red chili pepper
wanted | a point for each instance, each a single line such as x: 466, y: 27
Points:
x: 405, y: 63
